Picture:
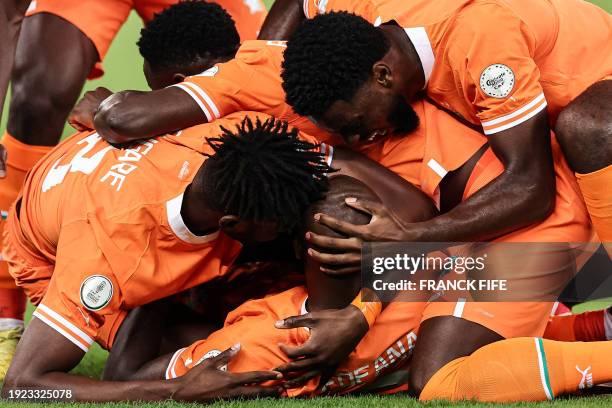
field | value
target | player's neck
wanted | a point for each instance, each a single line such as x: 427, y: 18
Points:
x: 197, y: 215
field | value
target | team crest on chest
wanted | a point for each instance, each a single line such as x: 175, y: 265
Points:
x: 497, y: 80
x: 96, y: 292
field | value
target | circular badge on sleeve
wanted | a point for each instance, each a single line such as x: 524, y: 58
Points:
x: 497, y: 80
x: 96, y: 292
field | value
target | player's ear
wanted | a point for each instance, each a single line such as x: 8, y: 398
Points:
x: 382, y: 74
x: 178, y: 77
x: 228, y: 223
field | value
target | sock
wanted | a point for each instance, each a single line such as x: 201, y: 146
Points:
x: 522, y: 369
x: 12, y: 308
x: 21, y: 158
x: 597, y: 194
x: 587, y: 326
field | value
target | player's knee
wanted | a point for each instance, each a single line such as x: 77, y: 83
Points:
x: 584, y: 137
x: 567, y: 128
x: 40, y: 105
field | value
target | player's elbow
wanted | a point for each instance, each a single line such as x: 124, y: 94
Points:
x: 17, y: 378
x: 538, y: 198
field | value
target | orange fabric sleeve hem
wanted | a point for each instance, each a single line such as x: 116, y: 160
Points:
x: 20, y: 155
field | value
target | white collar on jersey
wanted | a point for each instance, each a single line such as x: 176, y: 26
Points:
x: 177, y: 224
x: 419, y: 38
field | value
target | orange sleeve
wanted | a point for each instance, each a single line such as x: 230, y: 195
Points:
x: 492, y: 63
x: 365, y: 9
x: 83, y: 290
x: 249, y: 82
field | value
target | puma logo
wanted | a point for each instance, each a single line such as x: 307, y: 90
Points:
x: 587, y: 378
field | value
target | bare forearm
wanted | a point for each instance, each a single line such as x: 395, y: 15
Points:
x: 282, y: 20
x: 133, y: 115
x: 506, y: 204
x: 86, y: 389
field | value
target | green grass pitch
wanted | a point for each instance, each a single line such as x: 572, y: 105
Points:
x: 123, y: 67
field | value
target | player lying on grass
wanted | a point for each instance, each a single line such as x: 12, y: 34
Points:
x: 503, y: 371
x: 100, y: 230
x: 62, y: 40
x: 454, y: 335
x: 253, y: 79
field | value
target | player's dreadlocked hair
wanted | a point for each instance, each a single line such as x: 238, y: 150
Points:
x: 329, y: 58
x: 186, y: 31
x: 262, y: 171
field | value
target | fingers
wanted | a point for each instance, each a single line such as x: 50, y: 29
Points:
x: 353, y: 244
x: 341, y: 271
x: 342, y: 227
x: 301, y: 380
x: 223, y: 358
x: 3, y: 158
x: 345, y: 259
x: 307, y: 364
x: 76, y: 125
x: 255, y: 377
x: 305, y: 350
x: 366, y: 206
x: 292, y: 322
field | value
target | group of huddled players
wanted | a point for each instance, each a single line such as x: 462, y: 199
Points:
x: 208, y: 233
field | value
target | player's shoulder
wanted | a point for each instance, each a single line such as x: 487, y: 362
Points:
x: 261, y: 52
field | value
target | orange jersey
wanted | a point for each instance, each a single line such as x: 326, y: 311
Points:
x: 497, y: 63
x: 251, y: 81
x: 109, y: 220
x: 386, y: 346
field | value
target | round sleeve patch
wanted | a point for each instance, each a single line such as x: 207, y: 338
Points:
x: 497, y: 80
x: 96, y: 292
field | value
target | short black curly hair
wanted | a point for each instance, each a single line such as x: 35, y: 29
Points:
x: 329, y: 58
x: 262, y: 171
x: 186, y: 31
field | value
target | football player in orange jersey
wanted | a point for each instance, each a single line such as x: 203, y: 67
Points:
x: 386, y: 347
x: 206, y: 34
x: 512, y: 75
x: 117, y: 228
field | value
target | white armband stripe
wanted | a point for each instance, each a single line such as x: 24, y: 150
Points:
x: 196, y: 99
x: 516, y: 113
x: 61, y: 319
x: 535, y: 111
x: 61, y: 331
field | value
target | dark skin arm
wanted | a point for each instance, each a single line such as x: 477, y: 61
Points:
x: 135, y: 115
x: 522, y: 195
x: 49, y: 370
x: 282, y: 20
x: 335, y: 333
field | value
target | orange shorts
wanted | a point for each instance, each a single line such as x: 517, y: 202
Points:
x: 100, y: 20
x: 32, y: 273
x: 569, y: 222
x: 385, y: 347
